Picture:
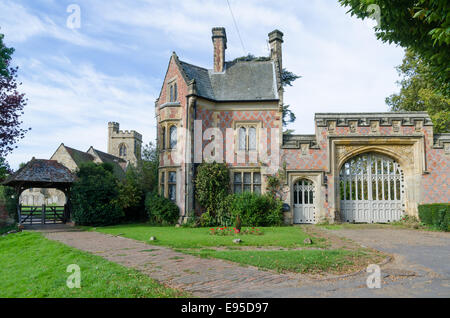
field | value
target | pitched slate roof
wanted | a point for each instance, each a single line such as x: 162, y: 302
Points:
x: 41, y: 171
x: 241, y: 81
x: 79, y: 156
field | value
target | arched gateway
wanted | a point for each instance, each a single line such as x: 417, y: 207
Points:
x: 371, y: 189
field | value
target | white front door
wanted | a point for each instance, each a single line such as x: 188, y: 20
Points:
x: 303, y: 192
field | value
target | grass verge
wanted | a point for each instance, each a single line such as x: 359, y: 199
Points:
x: 33, y: 266
x: 299, y: 261
x: 199, y: 237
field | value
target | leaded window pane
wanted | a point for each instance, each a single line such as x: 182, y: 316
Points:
x: 172, y: 192
x: 173, y: 137
x: 252, y: 138
x: 237, y: 177
x: 247, y: 178
x: 242, y: 138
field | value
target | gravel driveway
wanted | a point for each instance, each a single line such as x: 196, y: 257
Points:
x: 420, y: 267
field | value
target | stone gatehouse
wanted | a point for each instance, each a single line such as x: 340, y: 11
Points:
x: 356, y: 167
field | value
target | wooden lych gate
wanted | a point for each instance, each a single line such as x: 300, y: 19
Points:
x: 40, y: 173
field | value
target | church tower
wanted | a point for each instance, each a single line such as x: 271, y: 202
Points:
x: 124, y: 144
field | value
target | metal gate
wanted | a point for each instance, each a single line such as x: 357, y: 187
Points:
x: 304, y: 193
x: 371, y: 189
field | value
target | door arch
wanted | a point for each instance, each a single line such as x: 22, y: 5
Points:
x: 371, y: 188
x: 304, y: 200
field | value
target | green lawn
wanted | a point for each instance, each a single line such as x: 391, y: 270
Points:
x: 199, y: 237
x: 33, y: 266
x: 299, y: 261
x: 198, y: 241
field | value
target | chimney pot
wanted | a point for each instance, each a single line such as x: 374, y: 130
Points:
x: 219, y: 39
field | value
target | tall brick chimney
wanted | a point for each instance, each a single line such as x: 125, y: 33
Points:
x: 219, y: 39
x: 275, y: 41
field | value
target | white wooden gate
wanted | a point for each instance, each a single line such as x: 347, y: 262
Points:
x: 371, y: 189
x: 304, y: 194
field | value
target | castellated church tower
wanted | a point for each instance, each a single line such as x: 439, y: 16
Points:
x: 124, y: 144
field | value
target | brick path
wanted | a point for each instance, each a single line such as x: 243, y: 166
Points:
x: 199, y: 276
x: 420, y: 267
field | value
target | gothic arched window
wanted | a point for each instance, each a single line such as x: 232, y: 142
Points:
x: 122, y: 150
x: 163, y: 138
x: 175, y: 92
x: 242, y: 138
x: 252, y: 138
x: 173, y: 137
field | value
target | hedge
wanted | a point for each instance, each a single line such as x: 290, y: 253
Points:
x: 160, y: 209
x: 436, y: 214
x: 256, y: 210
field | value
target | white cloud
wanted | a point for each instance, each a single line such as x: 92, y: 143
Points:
x: 74, y: 106
x: 344, y: 67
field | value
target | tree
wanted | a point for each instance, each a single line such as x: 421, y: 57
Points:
x: 5, y: 170
x: 420, y: 25
x: 148, y: 168
x: 94, y: 196
x: 11, y: 102
x: 418, y: 93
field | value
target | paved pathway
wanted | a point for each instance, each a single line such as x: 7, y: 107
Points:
x: 201, y: 277
x: 420, y: 267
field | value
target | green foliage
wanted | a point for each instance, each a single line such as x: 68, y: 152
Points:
x: 212, y: 184
x: 436, y: 215
x: 421, y: 25
x: 5, y: 57
x: 94, y: 196
x: 160, y: 209
x: 5, y: 170
x: 131, y: 197
x: 256, y: 210
x: 418, y: 94
x: 10, y: 200
x: 287, y: 77
x: 138, y: 181
x: 275, y: 183
x: 147, y: 169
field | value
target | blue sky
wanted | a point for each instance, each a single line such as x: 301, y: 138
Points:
x: 111, y: 69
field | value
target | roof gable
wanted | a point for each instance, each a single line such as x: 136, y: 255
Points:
x: 241, y: 81
x: 41, y: 171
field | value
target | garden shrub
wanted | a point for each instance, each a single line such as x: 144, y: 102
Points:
x: 94, y: 196
x: 256, y: 210
x: 212, y: 186
x: 131, y: 197
x: 436, y: 215
x: 160, y: 209
x: 9, y: 201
